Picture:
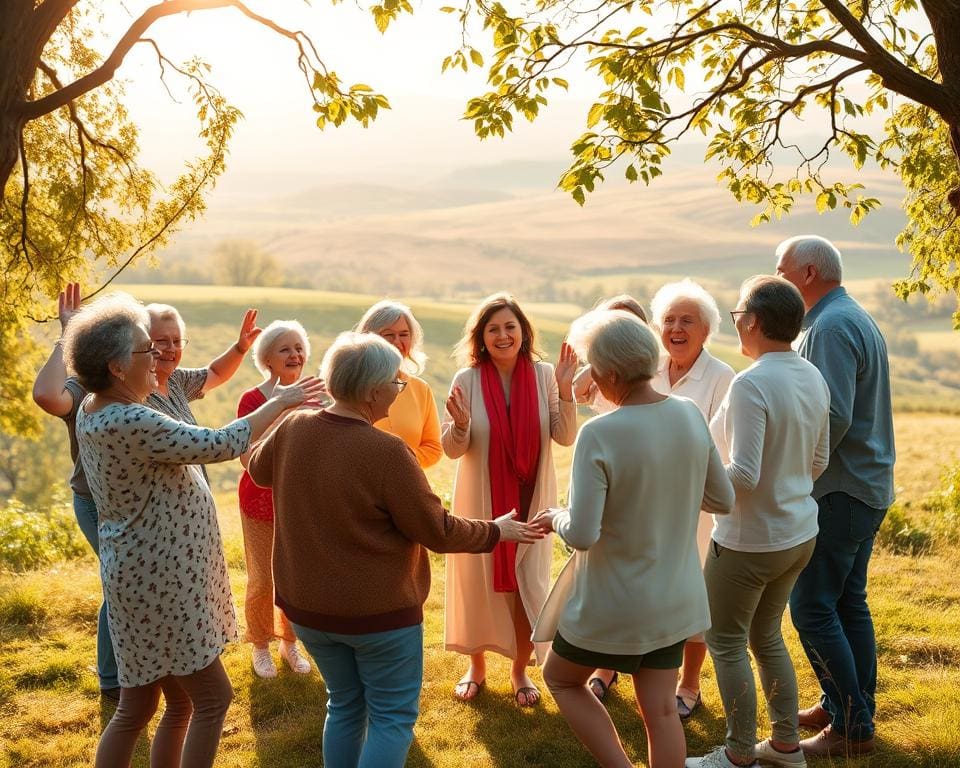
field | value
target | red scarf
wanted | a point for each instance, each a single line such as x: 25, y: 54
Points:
x: 514, y: 454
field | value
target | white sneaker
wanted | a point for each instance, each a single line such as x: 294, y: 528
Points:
x: 263, y: 663
x: 767, y: 754
x: 296, y: 662
x: 716, y: 759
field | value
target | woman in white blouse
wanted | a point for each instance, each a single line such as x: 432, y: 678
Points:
x: 686, y: 316
x: 773, y: 431
x: 636, y: 591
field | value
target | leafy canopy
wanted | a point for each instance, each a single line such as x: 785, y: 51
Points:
x: 753, y: 78
x: 75, y: 200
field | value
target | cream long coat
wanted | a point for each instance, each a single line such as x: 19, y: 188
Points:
x: 477, y: 618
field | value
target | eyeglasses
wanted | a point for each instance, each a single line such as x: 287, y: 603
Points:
x: 171, y: 344
x: 735, y: 313
x: 151, y: 350
x: 401, y: 384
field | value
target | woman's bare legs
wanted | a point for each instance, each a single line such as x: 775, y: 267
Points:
x: 518, y: 670
x: 584, y: 713
x: 694, y: 654
x: 656, y: 697
x: 476, y: 673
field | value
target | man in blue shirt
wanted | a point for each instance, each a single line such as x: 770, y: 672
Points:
x: 829, y: 601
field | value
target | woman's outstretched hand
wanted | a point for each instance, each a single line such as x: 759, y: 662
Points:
x: 512, y: 529
x: 458, y: 409
x: 566, y: 369
x: 544, y: 519
x: 302, y: 390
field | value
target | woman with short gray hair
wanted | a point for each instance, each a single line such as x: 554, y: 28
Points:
x: 413, y: 415
x: 773, y: 434
x: 280, y: 354
x: 355, y: 516
x: 161, y: 558
x: 632, y: 519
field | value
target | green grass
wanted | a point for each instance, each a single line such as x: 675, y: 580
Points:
x: 50, y: 714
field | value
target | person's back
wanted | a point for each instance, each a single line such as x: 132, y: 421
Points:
x: 636, y: 504
x: 771, y: 431
x: 844, y: 343
x: 351, y: 507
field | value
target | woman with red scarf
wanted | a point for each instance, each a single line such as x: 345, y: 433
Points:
x: 502, y: 412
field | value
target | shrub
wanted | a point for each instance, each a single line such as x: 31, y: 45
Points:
x: 899, y: 535
x: 944, y: 504
x: 34, y: 537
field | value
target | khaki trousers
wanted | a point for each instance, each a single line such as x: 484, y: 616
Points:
x: 748, y: 593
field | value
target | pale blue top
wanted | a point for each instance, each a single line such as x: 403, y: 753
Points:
x: 844, y: 343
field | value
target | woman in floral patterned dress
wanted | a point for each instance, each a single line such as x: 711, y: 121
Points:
x: 161, y: 558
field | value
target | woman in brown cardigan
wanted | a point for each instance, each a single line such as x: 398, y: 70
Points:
x: 354, y: 517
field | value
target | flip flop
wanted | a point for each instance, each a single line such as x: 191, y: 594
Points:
x: 468, y: 683
x: 527, y: 691
x: 686, y: 710
x: 599, y: 688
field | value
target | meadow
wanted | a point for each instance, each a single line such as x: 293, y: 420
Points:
x: 51, y: 714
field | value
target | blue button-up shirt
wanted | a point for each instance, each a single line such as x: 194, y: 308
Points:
x: 844, y: 343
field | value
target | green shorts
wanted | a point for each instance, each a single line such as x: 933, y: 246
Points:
x: 670, y: 657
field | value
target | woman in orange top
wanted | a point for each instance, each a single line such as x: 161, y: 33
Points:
x: 413, y: 416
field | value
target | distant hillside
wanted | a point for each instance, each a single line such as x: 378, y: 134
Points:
x: 445, y: 240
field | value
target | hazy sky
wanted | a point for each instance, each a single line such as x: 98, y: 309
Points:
x: 422, y: 136
x: 420, y: 139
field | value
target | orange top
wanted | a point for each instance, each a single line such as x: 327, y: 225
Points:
x: 413, y: 418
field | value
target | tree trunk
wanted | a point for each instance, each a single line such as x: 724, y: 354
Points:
x: 944, y: 18
x: 16, y: 33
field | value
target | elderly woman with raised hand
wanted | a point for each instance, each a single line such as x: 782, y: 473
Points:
x: 503, y: 412
x: 161, y: 559
x: 60, y: 395
x: 178, y: 387
x: 632, y: 519
x: 585, y: 388
x: 413, y: 415
x: 773, y: 430
x: 687, y: 317
x: 279, y: 353
x: 355, y: 516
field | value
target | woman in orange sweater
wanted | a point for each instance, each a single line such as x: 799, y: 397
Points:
x: 413, y: 416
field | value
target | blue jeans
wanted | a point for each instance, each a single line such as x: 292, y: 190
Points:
x: 829, y: 609
x: 373, y: 694
x: 86, y: 512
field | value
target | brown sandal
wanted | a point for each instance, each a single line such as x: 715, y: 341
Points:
x: 527, y: 691
x: 463, y: 697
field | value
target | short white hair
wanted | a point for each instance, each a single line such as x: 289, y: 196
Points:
x: 356, y: 364
x: 816, y: 251
x: 166, y: 312
x: 616, y: 341
x: 686, y: 290
x: 264, y: 343
x: 385, y: 313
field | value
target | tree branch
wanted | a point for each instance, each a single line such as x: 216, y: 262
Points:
x: 31, y: 110
x: 896, y: 76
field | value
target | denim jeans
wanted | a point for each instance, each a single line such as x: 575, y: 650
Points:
x: 829, y: 609
x: 86, y: 512
x: 373, y: 694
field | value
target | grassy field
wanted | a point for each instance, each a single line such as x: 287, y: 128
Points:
x: 51, y: 716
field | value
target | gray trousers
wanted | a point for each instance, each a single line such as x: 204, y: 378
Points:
x: 748, y: 593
